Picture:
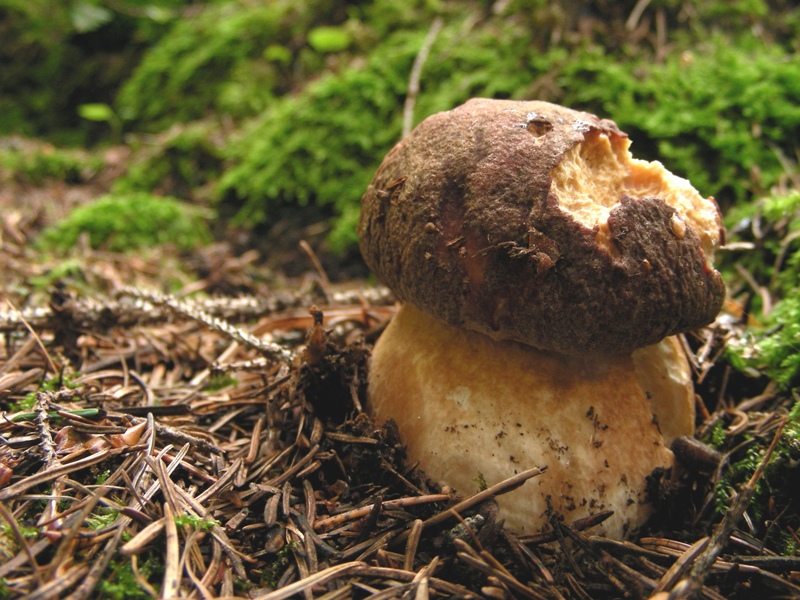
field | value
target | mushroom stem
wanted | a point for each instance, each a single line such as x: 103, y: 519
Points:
x: 470, y: 407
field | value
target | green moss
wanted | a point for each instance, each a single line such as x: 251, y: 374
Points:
x: 65, y: 270
x: 272, y: 573
x: 777, y: 350
x: 323, y: 145
x: 772, y: 344
x: 314, y: 91
x: 119, y: 583
x: 738, y: 473
x: 51, y: 385
x: 218, y: 61
x: 784, y: 212
x: 40, y: 163
x: 329, y: 39
x: 102, y: 518
x: 125, y: 222
x: 219, y: 382
x: 179, y: 162
x: 717, y: 437
x: 25, y: 404
x: 28, y: 532
x: 787, y: 545
x: 200, y: 523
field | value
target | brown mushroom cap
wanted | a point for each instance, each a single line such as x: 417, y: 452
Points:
x: 531, y: 222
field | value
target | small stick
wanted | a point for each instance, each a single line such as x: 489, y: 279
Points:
x: 65, y: 544
x: 451, y: 589
x: 55, y: 588
x: 255, y: 441
x: 311, y: 502
x: 496, y: 490
x: 762, y: 291
x: 312, y: 535
x: 776, y: 267
x: 510, y: 581
x: 140, y: 541
x: 216, y: 530
x: 268, y: 349
x: 578, y: 525
x: 93, y: 314
x: 222, y: 483
x: 325, y: 283
x: 416, y: 73
x: 172, y: 575
x: 54, y: 473
x: 23, y: 351
x: 631, y: 578
x: 636, y: 14
x: 294, y: 469
x: 528, y: 554
x: 27, y: 325
x: 47, y: 444
x: 411, y: 545
x: 422, y: 579
x: 312, y: 581
x: 357, y: 513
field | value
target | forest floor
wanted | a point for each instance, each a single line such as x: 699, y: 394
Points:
x: 212, y: 442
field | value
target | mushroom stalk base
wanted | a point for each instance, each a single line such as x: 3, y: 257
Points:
x: 469, y: 407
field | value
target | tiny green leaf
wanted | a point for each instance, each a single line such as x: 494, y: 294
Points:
x: 96, y: 112
x: 277, y: 53
x: 87, y: 17
x: 329, y: 39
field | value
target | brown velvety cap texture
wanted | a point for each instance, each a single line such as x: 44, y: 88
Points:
x: 531, y: 222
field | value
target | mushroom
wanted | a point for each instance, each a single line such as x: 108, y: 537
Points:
x: 542, y: 271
